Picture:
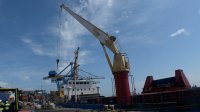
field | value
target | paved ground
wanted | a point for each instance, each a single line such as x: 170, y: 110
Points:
x: 65, y: 110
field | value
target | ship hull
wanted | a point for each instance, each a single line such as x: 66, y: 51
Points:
x: 183, y: 100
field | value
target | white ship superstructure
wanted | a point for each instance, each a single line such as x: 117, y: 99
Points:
x: 82, y: 87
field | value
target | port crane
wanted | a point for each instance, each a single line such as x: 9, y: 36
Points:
x: 72, y: 74
x: 119, y: 67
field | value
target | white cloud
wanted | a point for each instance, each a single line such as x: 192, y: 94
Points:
x: 84, y: 57
x: 4, y: 84
x: 117, y: 31
x: 181, y: 31
x: 28, y: 41
x: 110, y: 3
x: 37, y: 48
x: 144, y: 40
x: 25, y: 77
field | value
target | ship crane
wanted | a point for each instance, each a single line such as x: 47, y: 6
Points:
x: 58, y: 78
x: 71, y: 75
x: 120, y: 65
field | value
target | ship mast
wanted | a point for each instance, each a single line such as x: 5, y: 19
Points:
x: 75, y: 77
x: 76, y: 64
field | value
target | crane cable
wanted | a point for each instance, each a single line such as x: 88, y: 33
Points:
x: 59, y: 37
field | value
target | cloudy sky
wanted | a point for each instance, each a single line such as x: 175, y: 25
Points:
x: 159, y: 37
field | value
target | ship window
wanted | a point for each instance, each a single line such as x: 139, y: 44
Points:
x: 81, y: 89
x: 73, y: 89
x: 84, y: 82
x: 77, y: 89
x: 84, y: 89
x: 73, y: 83
x: 81, y: 82
x: 69, y: 82
x: 87, y: 83
x: 77, y: 82
x: 89, y: 89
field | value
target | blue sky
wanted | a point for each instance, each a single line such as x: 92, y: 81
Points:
x: 159, y: 37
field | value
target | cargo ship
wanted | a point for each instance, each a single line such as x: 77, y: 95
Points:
x: 83, y: 91
x: 168, y: 94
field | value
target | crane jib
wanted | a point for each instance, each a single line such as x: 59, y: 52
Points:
x: 103, y: 37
